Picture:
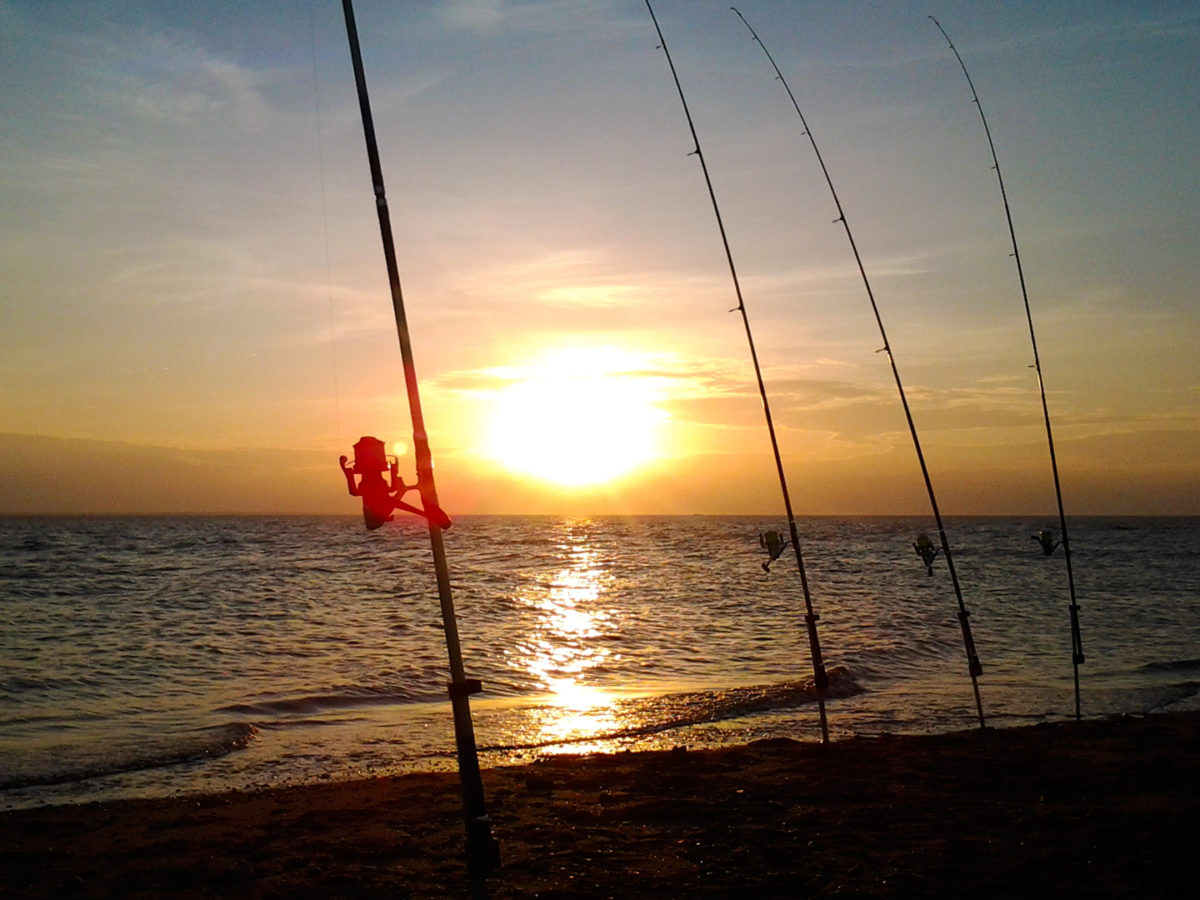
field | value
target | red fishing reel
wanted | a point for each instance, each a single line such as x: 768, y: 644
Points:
x: 381, y: 496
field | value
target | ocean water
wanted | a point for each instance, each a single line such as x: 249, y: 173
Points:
x: 159, y: 656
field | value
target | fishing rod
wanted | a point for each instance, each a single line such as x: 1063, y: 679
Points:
x: 1076, y: 639
x: 820, y: 677
x: 973, y: 665
x: 482, y: 850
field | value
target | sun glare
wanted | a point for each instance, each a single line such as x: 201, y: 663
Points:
x: 576, y: 418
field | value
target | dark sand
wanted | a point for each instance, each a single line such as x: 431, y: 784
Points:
x: 1091, y: 809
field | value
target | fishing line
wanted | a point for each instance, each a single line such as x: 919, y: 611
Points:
x: 820, y: 677
x: 973, y: 665
x: 333, y: 357
x: 1076, y: 639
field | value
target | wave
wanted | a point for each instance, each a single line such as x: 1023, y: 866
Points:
x: 68, y: 764
x: 1170, y: 695
x: 1171, y: 665
x: 349, y: 698
x: 653, y: 715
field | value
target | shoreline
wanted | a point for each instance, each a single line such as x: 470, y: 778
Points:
x: 1102, y: 807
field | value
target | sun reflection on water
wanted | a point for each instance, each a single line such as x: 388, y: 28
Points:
x: 577, y: 712
x: 565, y: 647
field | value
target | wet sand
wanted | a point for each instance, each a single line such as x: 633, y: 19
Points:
x: 1090, y: 809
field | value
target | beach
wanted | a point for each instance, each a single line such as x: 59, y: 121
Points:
x: 1094, y: 808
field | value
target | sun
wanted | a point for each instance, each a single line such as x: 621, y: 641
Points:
x: 576, y: 418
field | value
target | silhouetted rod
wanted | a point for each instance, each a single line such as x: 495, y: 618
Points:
x: 820, y: 677
x: 482, y: 850
x: 1076, y: 639
x: 973, y: 664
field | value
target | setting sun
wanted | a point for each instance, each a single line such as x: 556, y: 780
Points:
x: 576, y: 418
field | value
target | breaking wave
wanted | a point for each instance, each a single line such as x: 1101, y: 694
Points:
x: 1171, y: 665
x: 652, y: 715
x: 70, y: 763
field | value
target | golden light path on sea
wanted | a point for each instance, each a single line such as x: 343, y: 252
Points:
x: 565, y: 644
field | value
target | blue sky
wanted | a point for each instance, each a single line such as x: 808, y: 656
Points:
x: 194, y: 290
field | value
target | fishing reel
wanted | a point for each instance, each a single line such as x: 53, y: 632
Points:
x: 382, y: 497
x: 371, y: 457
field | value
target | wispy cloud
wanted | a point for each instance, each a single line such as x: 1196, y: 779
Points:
x: 164, y: 79
x: 529, y: 17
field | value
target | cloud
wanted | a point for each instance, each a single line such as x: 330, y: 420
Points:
x: 40, y: 475
x: 540, y: 16
x: 473, y: 14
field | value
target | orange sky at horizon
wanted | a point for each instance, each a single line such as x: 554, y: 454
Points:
x: 197, y: 314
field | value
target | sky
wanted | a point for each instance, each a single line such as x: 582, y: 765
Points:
x: 196, y: 315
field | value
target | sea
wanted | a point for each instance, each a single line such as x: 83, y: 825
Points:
x: 156, y: 657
